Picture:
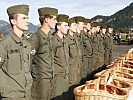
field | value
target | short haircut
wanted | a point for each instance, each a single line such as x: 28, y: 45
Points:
x: 59, y: 23
x: 42, y: 18
x: 13, y: 16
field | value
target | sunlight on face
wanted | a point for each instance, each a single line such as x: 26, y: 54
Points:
x: 21, y: 22
x: 73, y: 27
x: 104, y: 30
x: 64, y: 28
x: 52, y: 22
x: 110, y: 30
x: 80, y: 25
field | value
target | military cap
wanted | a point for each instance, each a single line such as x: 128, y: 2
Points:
x: 21, y: 9
x: 71, y: 20
x: 95, y: 24
x: 79, y: 19
x: 109, y: 26
x: 103, y: 26
x: 47, y: 11
x: 62, y: 18
x: 87, y: 20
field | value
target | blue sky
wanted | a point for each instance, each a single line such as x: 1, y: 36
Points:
x: 86, y: 8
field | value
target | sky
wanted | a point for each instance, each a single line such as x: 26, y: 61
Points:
x: 85, y: 8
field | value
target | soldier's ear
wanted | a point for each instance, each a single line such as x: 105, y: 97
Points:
x: 13, y: 21
x: 58, y: 26
x: 46, y: 20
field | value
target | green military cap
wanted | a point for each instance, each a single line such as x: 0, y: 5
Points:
x: 21, y: 9
x: 109, y: 26
x: 62, y: 18
x: 79, y: 19
x: 95, y: 24
x: 71, y: 20
x: 87, y: 20
x: 47, y: 11
x: 103, y: 26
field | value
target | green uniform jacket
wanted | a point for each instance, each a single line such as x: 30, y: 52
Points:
x: 74, y: 59
x: 79, y: 37
x: 42, y: 69
x: 42, y: 60
x: 108, y: 44
x: 95, y: 46
x: 101, y: 50
x: 87, y: 54
x: 61, y: 55
x: 61, y: 68
x: 101, y: 43
x: 87, y: 45
x: 15, y: 77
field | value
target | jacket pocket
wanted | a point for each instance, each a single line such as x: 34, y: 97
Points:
x: 14, y: 63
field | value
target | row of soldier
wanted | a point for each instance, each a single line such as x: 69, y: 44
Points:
x: 49, y: 65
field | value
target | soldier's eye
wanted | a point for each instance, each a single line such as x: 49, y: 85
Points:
x: 25, y: 17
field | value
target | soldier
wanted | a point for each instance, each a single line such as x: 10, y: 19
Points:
x: 15, y: 77
x: 87, y: 49
x: 74, y: 53
x: 103, y: 32
x: 108, y: 44
x: 61, y: 56
x: 74, y: 57
x: 80, y: 25
x: 101, y: 48
x: 95, y: 45
x: 42, y: 70
x: 79, y: 34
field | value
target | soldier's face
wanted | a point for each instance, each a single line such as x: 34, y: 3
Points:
x: 88, y: 26
x: 64, y: 28
x: 80, y: 25
x: 52, y: 22
x: 104, y: 30
x: 21, y: 22
x: 98, y: 28
x: 85, y: 30
x: 110, y: 30
x: 73, y: 27
x: 93, y: 30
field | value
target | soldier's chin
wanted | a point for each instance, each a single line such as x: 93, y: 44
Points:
x: 25, y: 29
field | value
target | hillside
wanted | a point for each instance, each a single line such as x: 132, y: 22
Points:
x: 121, y: 20
x: 5, y: 27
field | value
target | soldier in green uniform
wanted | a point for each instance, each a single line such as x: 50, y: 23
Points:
x: 108, y: 44
x: 74, y: 57
x: 79, y: 34
x: 74, y: 53
x: 80, y: 25
x: 103, y: 32
x: 87, y: 49
x: 100, y: 48
x: 95, y: 45
x: 15, y: 51
x: 42, y: 64
x: 61, y: 56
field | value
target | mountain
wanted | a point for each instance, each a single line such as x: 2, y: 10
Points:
x: 32, y: 28
x: 121, y: 20
x: 5, y: 27
x: 3, y: 23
